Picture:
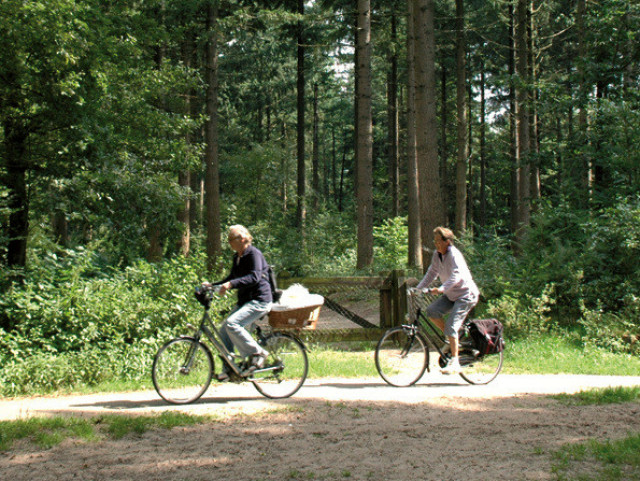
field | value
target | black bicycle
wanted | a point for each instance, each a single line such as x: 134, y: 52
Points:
x: 402, y: 355
x: 184, y: 367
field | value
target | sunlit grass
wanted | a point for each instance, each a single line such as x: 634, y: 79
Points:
x: 553, y: 354
x: 599, y: 460
x: 325, y: 362
x: 48, y: 432
x: 601, y: 396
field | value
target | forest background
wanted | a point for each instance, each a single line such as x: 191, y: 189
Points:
x: 340, y: 133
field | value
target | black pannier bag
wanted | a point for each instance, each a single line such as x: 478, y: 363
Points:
x: 487, y: 335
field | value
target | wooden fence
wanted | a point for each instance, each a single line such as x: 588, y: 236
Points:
x: 339, y: 292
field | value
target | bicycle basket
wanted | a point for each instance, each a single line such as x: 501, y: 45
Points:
x: 417, y: 300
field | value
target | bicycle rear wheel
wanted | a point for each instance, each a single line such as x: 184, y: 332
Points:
x: 401, y: 356
x: 182, y: 370
x: 285, y: 369
x: 477, y: 369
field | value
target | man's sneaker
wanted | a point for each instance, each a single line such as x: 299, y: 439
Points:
x: 257, y: 362
x: 446, y: 348
x: 222, y: 376
x: 452, y: 367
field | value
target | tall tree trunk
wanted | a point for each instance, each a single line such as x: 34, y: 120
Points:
x: 342, y: 169
x: 284, y: 169
x: 15, y: 151
x: 482, y: 218
x: 184, y: 177
x: 514, y: 196
x: 364, y: 186
x: 302, y: 209
x: 461, y: 106
x: 533, y: 110
x: 431, y: 198
x: 334, y: 164
x: 444, y: 141
x: 413, y: 198
x: 212, y: 176
x: 522, y: 119
x: 392, y: 116
x: 154, y: 229
x: 582, y: 165
x: 60, y: 228
x: 315, y: 158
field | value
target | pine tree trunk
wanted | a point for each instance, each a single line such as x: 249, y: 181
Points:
x: 184, y: 177
x: 315, y: 158
x: 392, y: 116
x: 302, y: 209
x: 444, y: 141
x: 431, y: 199
x: 364, y: 132
x: 15, y: 149
x: 582, y: 165
x: 514, y: 196
x: 415, y: 243
x: 522, y: 119
x: 212, y: 179
x: 461, y: 106
x: 533, y: 111
x: 482, y: 217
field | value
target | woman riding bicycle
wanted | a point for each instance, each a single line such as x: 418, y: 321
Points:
x: 254, y: 298
x: 460, y: 293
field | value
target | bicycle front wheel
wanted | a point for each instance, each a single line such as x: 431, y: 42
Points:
x: 284, y: 370
x: 401, y: 356
x: 182, y: 370
x: 477, y: 369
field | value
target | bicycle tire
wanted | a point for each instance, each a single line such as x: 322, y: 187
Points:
x: 402, y: 356
x: 478, y: 369
x: 284, y: 370
x: 182, y: 370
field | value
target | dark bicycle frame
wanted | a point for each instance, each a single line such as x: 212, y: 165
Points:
x: 422, y: 322
x: 214, y: 337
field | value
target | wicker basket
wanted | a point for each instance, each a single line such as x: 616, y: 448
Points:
x: 303, y: 317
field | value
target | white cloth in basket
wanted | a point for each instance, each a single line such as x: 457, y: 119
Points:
x: 295, y: 297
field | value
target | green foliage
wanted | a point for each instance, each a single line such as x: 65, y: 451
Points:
x: 390, y: 244
x: 72, y: 323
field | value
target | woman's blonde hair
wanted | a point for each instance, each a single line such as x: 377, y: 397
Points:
x: 240, y: 230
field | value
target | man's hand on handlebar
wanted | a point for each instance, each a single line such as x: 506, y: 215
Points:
x: 220, y: 289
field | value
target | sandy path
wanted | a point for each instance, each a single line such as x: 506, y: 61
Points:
x: 335, y: 430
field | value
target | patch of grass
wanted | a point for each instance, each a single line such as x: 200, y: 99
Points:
x: 557, y: 354
x: 326, y: 363
x: 599, y: 460
x: 48, y: 432
x: 120, y: 426
x: 600, y: 396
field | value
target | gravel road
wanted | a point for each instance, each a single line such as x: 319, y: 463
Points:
x: 231, y: 398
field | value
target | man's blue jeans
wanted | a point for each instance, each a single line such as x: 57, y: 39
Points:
x: 234, y: 329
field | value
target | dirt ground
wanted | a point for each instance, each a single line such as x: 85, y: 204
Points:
x: 334, y: 430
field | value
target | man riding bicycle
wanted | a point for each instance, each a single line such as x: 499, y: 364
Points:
x: 254, y: 298
x: 459, y: 293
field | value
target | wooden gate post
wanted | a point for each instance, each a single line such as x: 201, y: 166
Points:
x: 398, y: 297
x: 400, y: 305
x: 387, y: 302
